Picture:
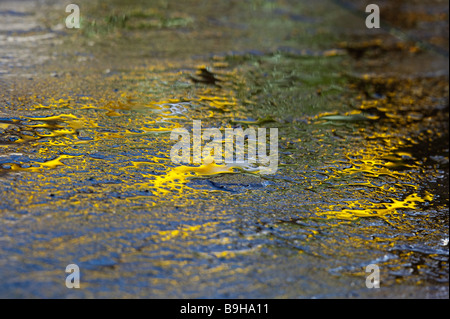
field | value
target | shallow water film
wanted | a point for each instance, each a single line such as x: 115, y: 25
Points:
x: 87, y: 175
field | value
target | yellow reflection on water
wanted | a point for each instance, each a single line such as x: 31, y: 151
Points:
x: 382, y: 210
x: 79, y: 127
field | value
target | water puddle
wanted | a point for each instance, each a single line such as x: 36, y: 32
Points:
x: 86, y: 174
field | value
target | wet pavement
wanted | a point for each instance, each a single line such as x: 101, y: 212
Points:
x: 86, y: 176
